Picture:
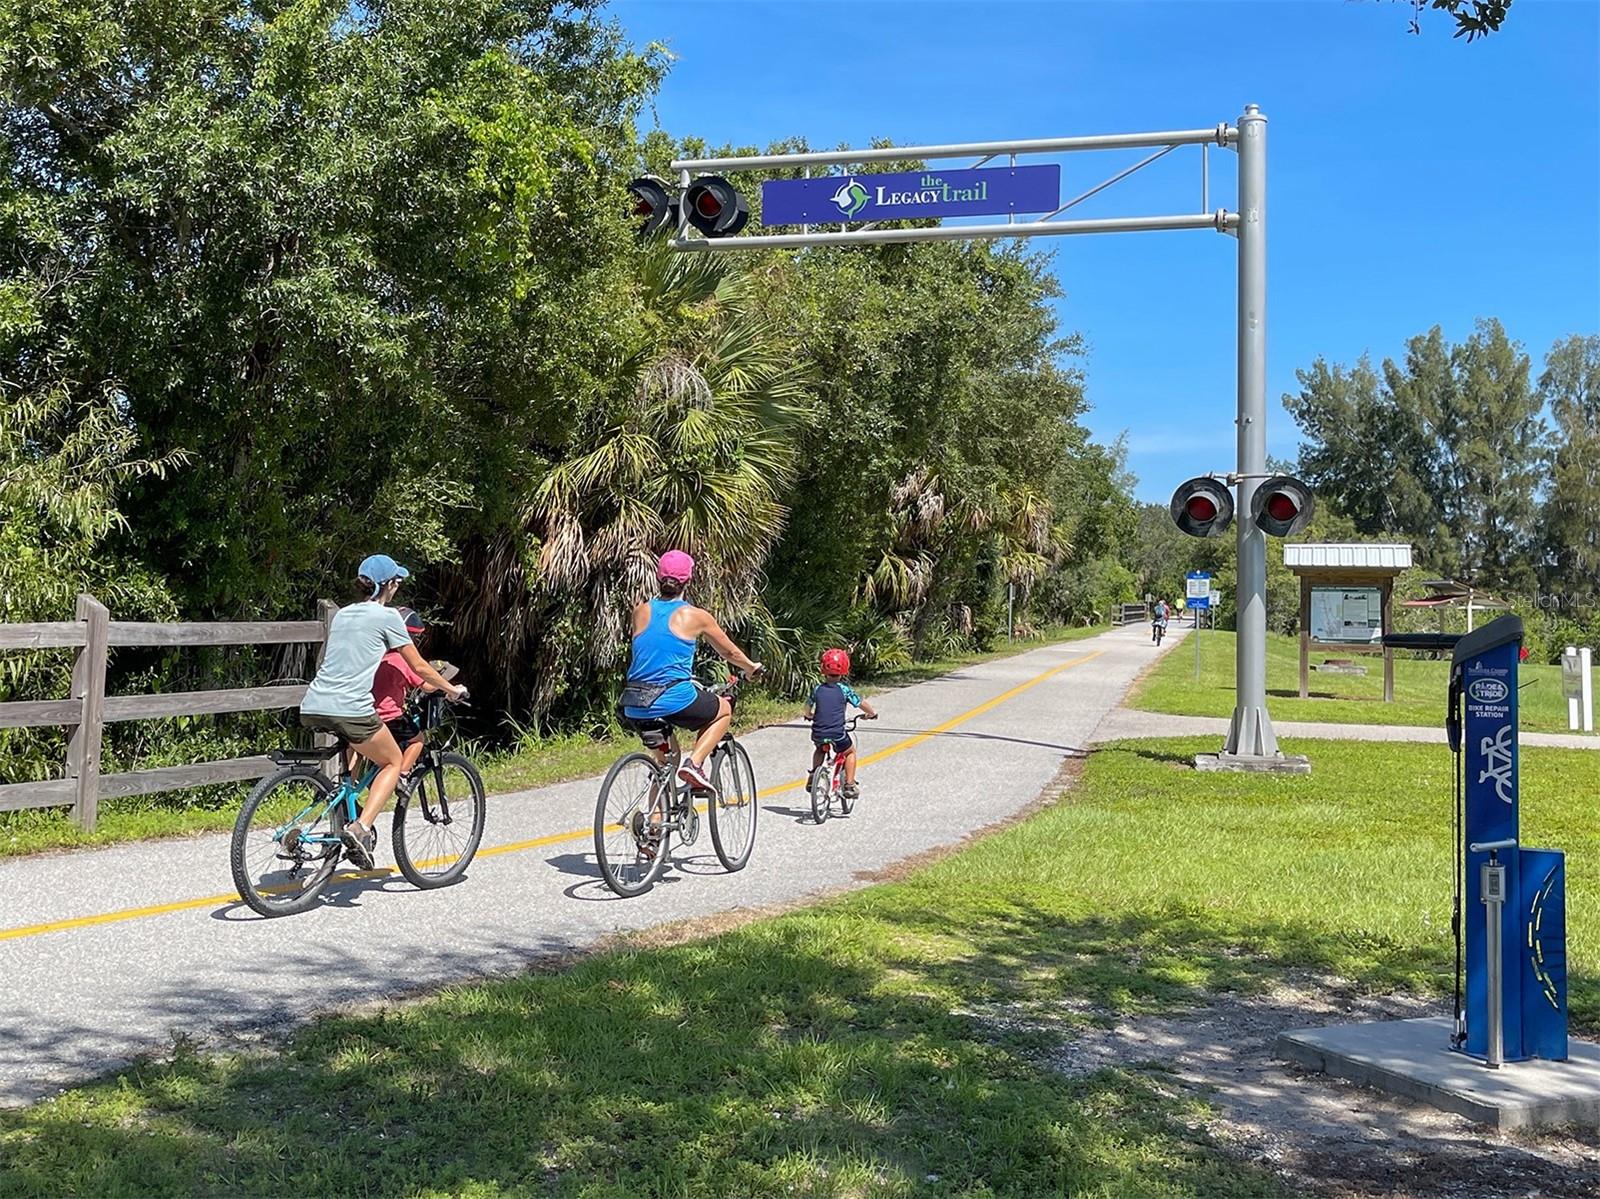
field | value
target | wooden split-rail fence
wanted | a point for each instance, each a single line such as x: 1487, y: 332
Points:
x: 89, y: 709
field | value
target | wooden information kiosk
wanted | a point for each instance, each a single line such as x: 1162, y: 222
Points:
x: 1345, y: 593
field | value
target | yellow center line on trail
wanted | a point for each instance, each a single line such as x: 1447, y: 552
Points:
x: 185, y: 905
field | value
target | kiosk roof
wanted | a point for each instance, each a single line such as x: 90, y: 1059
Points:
x: 1348, y: 555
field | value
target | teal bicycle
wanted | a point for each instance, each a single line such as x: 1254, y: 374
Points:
x: 287, y: 841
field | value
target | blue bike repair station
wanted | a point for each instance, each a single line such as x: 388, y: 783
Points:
x: 1510, y: 901
x: 1502, y: 1057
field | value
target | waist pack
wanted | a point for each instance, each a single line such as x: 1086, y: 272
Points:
x: 644, y: 695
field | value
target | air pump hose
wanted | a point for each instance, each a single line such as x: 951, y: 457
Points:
x: 1458, y: 865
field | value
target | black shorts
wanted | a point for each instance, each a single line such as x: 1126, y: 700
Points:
x: 405, y: 731
x: 841, y: 744
x: 699, y: 712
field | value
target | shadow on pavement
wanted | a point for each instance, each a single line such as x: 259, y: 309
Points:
x: 1071, y: 750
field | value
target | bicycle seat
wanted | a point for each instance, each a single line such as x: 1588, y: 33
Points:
x: 654, y: 733
x: 321, y: 753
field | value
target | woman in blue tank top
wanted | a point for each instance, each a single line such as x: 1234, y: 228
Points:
x: 661, y: 682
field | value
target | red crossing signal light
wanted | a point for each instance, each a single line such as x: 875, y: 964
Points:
x: 715, y: 206
x: 1202, y: 507
x: 1281, y: 506
x: 653, y: 205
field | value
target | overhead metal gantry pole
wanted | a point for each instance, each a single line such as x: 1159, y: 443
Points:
x: 1250, y: 734
x: 1251, y: 741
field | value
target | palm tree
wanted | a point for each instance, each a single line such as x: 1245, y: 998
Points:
x: 693, y: 447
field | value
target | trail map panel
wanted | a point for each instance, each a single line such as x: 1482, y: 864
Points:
x: 1353, y: 615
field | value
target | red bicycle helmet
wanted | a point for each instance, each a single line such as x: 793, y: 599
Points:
x: 835, y: 661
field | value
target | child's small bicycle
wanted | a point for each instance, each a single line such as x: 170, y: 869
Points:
x: 827, y: 781
x: 287, y: 841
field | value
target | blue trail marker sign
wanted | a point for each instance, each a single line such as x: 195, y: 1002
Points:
x: 911, y: 195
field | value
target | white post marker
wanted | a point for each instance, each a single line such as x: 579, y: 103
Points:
x: 1577, y: 685
x: 1586, y: 680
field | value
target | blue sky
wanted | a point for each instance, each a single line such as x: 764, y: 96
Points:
x: 1413, y: 181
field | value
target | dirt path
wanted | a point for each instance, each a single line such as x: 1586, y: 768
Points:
x: 1321, y: 1136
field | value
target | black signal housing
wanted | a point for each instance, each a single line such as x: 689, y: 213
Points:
x: 1202, y: 507
x: 715, y: 207
x: 1281, y: 506
x: 654, y: 205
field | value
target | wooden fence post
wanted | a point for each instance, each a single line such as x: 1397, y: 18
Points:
x: 89, y: 688
x: 325, y: 613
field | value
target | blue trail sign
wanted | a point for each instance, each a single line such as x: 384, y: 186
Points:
x: 910, y: 195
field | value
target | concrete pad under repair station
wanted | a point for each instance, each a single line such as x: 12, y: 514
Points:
x: 1412, y: 1058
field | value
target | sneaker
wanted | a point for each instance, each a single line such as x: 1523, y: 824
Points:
x: 360, y: 842
x: 646, y: 837
x: 851, y: 791
x: 694, y: 774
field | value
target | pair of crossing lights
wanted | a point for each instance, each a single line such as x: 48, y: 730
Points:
x: 1203, y: 507
x: 713, y: 205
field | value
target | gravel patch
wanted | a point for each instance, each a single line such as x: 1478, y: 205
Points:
x: 1323, y: 1137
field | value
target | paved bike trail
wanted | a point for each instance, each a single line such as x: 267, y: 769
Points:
x: 109, y: 954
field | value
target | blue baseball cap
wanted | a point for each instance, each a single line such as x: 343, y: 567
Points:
x: 381, y: 568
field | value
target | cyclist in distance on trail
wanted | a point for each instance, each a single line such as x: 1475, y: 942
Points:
x: 340, y: 699
x: 661, y: 682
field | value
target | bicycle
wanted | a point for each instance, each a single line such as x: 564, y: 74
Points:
x: 1158, y: 630
x: 643, y: 804
x: 287, y: 839
x: 827, y: 780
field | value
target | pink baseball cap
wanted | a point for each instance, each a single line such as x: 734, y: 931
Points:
x: 675, y: 564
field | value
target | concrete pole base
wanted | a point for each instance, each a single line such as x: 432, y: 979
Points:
x: 1254, y: 763
x: 1250, y: 733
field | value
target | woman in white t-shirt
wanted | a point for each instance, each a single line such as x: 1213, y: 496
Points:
x: 339, y: 700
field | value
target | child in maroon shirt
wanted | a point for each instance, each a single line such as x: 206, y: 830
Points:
x: 390, y: 686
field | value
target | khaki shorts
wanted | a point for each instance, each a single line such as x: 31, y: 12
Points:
x: 354, y: 729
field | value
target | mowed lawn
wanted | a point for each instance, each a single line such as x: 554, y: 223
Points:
x: 849, y: 1049
x: 1419, y: 687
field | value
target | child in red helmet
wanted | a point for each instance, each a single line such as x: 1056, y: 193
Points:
x: 826, y: 710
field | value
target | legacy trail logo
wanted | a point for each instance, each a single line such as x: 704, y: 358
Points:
x: 851, y: 198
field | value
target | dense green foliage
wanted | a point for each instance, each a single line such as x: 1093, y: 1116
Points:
x: 285, y: 282
x: 1451, y: 450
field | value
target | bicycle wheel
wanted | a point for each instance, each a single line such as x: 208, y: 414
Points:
x: 733, y: 806
x: 285, y: 841
x: 817, y: 788
x: 845, y: 802
x: 437, y: 830
x: 630, y: 841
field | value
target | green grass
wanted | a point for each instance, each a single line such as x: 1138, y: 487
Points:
x: 535, y: 762
x: 1419, y: 687
x: 842, y: 1050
